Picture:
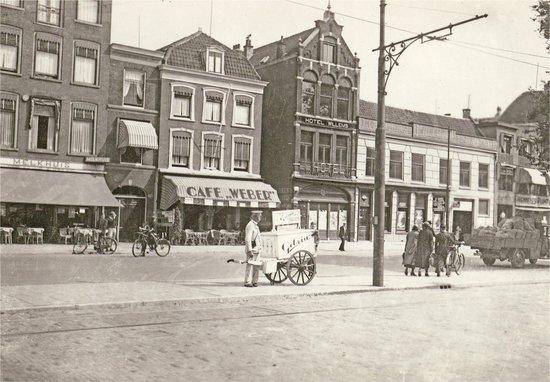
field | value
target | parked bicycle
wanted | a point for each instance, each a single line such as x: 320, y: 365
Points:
x: 102, y: 244
x: 148, y: 237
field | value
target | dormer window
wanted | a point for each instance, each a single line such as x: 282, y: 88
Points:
x: 215, y: 61
x: 329, y: 50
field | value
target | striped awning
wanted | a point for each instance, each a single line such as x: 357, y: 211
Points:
x: 217, y: 192
x: 137, y: 134
x: 531, y: 175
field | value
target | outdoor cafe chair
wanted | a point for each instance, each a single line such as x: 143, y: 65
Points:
x: 22, y: 234
x: 65, y: 234
x: 189, y: 237
x: 216, y: 237
x: 36, y: 235
x: 7, y: 235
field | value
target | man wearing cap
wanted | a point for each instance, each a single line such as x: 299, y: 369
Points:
x: 443, y: 241
x: 111, y: 224
x: 252, y: 247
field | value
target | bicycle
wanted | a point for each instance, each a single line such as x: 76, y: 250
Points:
x: 103, y: 244
x: 148, y: 236
x: 456, y: 259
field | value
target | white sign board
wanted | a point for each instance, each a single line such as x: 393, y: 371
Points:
x: 285, y: 217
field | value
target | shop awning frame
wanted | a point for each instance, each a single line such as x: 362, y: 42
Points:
x: 137, y: 134
x: 531, y: 175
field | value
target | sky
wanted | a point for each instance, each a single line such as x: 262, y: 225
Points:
x: 435, y: 77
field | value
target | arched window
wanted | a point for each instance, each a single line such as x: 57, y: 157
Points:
x: 308, y: 93
x: 344, y: 95
x: 327, y: 93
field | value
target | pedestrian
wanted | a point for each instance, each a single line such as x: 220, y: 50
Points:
x: 102, y: 226
x: 458, y: 233
x: 342, y: 235
x: 111, y: 225
x: 410, y: 251
x: 315, y: 235
x: 424, y: 249
x: 443, y: 241
x: 253, y: 245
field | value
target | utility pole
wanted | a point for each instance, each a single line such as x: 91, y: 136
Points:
x: 390, y: 53
x: 448, y: 189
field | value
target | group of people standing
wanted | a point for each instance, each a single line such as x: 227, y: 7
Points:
x: 420, y: 245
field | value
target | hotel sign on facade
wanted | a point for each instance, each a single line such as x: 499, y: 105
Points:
x: 312, y: 121
x: 532, y: 201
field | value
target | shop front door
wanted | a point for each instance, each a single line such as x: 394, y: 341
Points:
x: 364, y: 224
x: 132, y: 216
x: 464, y: 220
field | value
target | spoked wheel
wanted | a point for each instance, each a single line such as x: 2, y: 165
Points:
x: 137, y: 247
x: 280, y: 274
x: 110, y: 245
x: 80, y: 244
x: 518, y: 258
x: 459, y: 263
x: 300, y: 268
x: 163, y: 247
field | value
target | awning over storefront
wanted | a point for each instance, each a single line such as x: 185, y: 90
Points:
x: 217, y: 192
x: 531, y: 175
x: 55, y: 187
x: 137, y: 134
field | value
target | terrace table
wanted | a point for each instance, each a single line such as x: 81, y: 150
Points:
x: 7, y: 234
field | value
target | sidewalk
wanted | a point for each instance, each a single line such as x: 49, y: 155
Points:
x: 331, y: 279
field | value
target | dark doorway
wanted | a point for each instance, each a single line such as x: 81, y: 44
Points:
x: 464, y: 220
x: 364, y: 224
x: 132, y: 212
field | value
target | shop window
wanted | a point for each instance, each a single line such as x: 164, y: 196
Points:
x: 323, y: 152
x: 10, y: 46
x: 45, y: 124
x: 443, y: 163
x: 212, y: 150
x: 243, y: 110
x: 88, y: 10
x: 182, y: 102
x: 241, y: 154
x: 483, y: 207
x: 464, y: 174
x: 506, y: 180
x: 134, y: 88
x: 82, y: 129
x: 343, y: 99
x: 329, y: 50
x: 327, y: 90
x: 8, y: 121
x: 213, y: 105
x: 370, y: 160
x: 396, y: 164
x: 85, y: 68
x: 308, y: 93
x: 215, y: 61
x: 181, y: 149
x: 49, y: 11
x: 47, y: 54
x: 132, y: 155
x: 342, y: 150
x: 306, y: 146
x: 483, y: 176
x: 418, y: 163
x: 506, y: 144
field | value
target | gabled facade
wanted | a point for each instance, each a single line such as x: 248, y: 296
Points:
x: 309, y: 123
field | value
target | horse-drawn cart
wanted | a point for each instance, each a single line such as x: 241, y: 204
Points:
x: 288, y: 252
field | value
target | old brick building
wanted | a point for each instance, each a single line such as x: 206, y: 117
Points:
x: 309, y: 123
x: 54, y: 75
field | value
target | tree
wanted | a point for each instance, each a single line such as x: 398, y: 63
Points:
x: 542, y: 17
x: 177, y: 226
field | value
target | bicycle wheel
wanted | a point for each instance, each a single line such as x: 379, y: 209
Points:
x: 459, y: 263
x: 163, y: 247
x: 137, y: 247
x: 80, y: 244
x: 110, y: 245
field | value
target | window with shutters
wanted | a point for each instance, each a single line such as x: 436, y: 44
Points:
x: 44, y: 125
x: 85, y: 68
x: 8, y: 119
x: 323, y: 148
x: 327, y: 94
x: 10, y: 47
x: 329, y: 50
x: 133, y: 88
x: 182, y: 102
x: 417, y: 161
x: 212, y: 152
x: 464, y: 174
x: 370, y: 160
x: 213, y: 107
x: 241, y: 154
x: 483, y: 176
x: 49, y: 12
x: 88, y: 11
x: 181, y: 148
x: 306, y: 146
x: 342, y: 150
x: 47, y: 56
x: 243, y: 110
x: 396, y: 164
x: 82, y: 128
x: 343, y: 99
x: 308, y: 92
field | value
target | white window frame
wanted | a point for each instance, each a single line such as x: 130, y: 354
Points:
x: 215, y: 50
x: 423, y: 168
x: 20, y: 6
x: 202, y: 150
x: 16, y: 123
x: 59, y: 58
x: 488, y: 207
x: 235, y: 124
x: 69, y: 146
x: 97, y: 48
x: 144, y: 88
x: 191, y: 147
x: 469, y: 186
x: 89, y: 22
x: 250, y: 162
x: 61, y: 15
x: 19, y: 32
x: 224, y: 104
x: 56, y: 137
x: 192, y: 105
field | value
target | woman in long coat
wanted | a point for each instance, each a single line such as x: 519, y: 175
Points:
x: 424, y: 249
x: 410, y: 251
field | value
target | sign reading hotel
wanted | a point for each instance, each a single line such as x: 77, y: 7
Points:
x: 325, y: 169
x: 323, y: 122
x: 237, y: 194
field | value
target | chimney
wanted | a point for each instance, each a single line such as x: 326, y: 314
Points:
x: 466, y: 113
x: 281, y: 48
x: 248, y: 48
x: 499, y: 109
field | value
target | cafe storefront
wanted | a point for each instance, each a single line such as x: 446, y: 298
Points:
x: 216, y: 203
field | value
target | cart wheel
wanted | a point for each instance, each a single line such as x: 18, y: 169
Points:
x: 280, y: 274
x: 488, y: 260
x: 518, y: 258
x: 533, y: 261
x: 301, y: 268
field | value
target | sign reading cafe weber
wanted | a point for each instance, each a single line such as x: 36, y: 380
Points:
x: 229, y: 193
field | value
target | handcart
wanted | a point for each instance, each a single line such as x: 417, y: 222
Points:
x: 288, y: 252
